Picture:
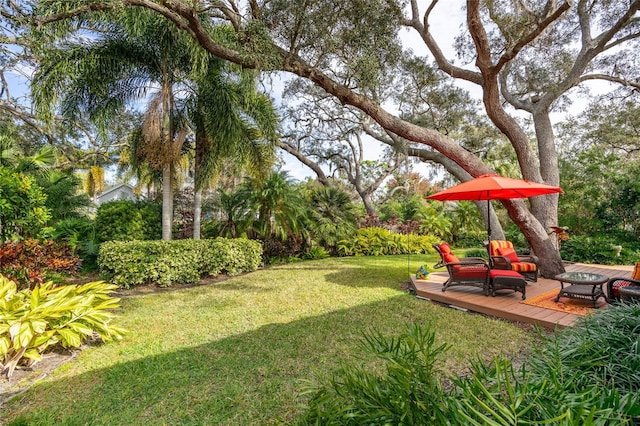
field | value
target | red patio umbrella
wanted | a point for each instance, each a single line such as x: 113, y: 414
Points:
x: 494, y: 187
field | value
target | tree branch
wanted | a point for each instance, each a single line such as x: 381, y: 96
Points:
x: 315, y: 167
x: 513, y: 52
x: 610, y: 78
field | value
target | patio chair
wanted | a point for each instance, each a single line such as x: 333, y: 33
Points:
x: 504, y: 256
x: 616, y: 284
x: 469, y: 271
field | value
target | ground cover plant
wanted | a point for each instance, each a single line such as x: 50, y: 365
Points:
x: 582, y: 375
x: 241, y: 351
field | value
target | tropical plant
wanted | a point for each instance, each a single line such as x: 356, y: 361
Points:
x: 331, y: 216
x: 381, y: 242
x: 235, y: 126
x: 405, y: 391
x: 23, y: 210
x: 279, y: 206
x: 234, y: 213
x: 132, y: 51
x: 28, y: 262
x: 34, y: 320
x: 64, y: 200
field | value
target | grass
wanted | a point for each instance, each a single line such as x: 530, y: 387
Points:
x: 240, y: 351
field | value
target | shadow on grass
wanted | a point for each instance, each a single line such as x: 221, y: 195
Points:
x: 252, y: 378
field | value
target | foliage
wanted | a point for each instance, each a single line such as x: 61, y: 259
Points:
x: 477, y: 253
x: 380, y: 242
x: 80, y: 235
x: 131, y: 263
x: 599, y: 351
x: 28, y: 262
x: 64, y: 200
x: 331, y: 216
x: 34, y: 320
x: 279, y: 206
x: 587, y: 374
x: 128, y: 220
x: 276, y: 250
x: 235, y: 213
x: 406, y: 392
x: 316, y: 253
x: 23, y: 211
x: 602, y: 249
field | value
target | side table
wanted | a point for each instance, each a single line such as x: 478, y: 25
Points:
x: 582, y: 286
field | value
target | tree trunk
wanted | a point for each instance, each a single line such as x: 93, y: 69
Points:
x: 537, y: 237
x: 197, y: 212
x: 545, y: 209
x: 167, y: 202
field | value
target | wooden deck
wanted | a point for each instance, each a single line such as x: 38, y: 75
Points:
x: 506, y: 304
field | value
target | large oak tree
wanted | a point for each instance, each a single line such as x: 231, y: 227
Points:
x: 528, y: 55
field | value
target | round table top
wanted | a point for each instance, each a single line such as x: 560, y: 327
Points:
x: 581, y: 278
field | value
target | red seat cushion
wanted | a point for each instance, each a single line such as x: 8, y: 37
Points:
x: 509, y: 253
x: 450, y: 258
x: 471, y: 273
x: 504, y: 273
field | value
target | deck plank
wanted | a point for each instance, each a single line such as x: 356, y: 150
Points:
x: 507, y: 304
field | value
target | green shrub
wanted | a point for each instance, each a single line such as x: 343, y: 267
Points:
x: 131, y: 263
x: 587, y: 374
x: 316, y: 252
x: 128, y: 220
x: 381, y: 242
x: 80, y: 235
x: 600, y: 250
x: 477, y: 253
x: 34, y: 320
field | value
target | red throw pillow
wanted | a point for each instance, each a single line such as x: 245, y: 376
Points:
x: 445, y: 248
x: 450, y: 258
x: 509, y: 253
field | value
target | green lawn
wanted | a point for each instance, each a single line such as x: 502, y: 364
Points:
x: 241, y: 351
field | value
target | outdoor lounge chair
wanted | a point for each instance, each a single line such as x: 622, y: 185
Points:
x: 504, y: 256
x: 625, y: 288
x: 470, y: 271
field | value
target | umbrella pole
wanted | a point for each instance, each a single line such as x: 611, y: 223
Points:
x: 489, y: 231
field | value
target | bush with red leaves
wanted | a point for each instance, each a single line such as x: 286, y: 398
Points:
x: 27, y: 262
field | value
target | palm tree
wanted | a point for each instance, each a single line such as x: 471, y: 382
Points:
x: 234, y: 124
x: 280, y: 206
x: 235, y: 213
x: 331, y: 215
x: 135, y: 54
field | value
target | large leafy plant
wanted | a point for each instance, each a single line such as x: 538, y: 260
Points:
x: 33, y: 320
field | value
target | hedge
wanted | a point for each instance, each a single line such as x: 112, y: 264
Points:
x: 131, y: 263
